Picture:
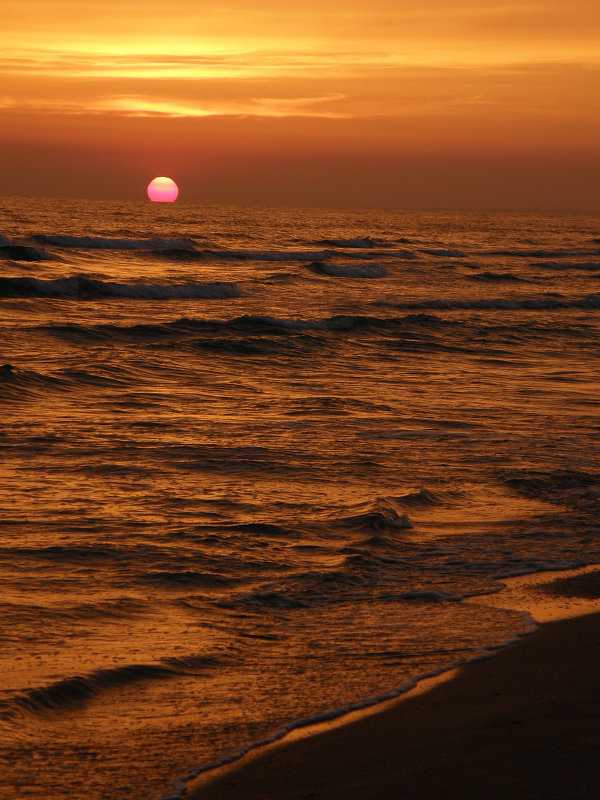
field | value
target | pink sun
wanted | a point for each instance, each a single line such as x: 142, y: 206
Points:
x: 162, y: 190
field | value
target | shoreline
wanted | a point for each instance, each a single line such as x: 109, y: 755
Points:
x: 560, y: 613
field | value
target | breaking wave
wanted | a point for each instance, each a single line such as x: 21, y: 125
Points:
x: 381, y: 516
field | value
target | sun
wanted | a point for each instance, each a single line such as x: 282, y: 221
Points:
x: 162, y: 190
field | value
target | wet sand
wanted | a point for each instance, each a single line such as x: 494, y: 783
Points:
x: 523, y: 724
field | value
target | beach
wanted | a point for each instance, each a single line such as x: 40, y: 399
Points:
x: 522, y: 724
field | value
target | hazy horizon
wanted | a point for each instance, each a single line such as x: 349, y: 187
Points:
x: 400, y: 209
x: 479, y: 106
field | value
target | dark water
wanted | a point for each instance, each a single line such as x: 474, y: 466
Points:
x: 252, y: 459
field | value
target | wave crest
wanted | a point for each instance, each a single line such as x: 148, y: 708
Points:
x: 383, y: 515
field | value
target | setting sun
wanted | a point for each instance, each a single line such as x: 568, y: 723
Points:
x: 162, y: 190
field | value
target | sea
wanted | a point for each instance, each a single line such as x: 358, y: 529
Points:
x: 253, y: 460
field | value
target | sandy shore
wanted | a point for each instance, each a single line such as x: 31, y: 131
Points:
x: 523, y: 724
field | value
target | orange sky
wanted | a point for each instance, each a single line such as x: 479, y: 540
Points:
x: 433, y: 104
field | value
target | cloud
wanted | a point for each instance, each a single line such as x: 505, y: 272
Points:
x: 139, y: 106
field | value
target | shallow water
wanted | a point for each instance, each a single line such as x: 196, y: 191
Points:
x: 252, y: 459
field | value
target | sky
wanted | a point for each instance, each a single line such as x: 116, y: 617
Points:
x: 466, y: 104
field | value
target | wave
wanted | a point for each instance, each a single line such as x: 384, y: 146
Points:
x: 266, y: 529
x: 17, y: 384
x: 444, y: 253
x: 67, y: 553
x: 250, y: 335
x: 349, y: 270
x: 103, y: 243
x: 186, y: 578
x: 558, y: 253
x: 19, y: 252
x: 585, y: 265
x: 426, y: 498
x: 184, y: 249
x: 381, y: 516
x: 494, y: 277
x: 83, y: 288
x: 301, y: 255
x: 272, y: 330
x: 65, y: 694
x: 18, y: 614
x: 364, y: 242
x: 333, y: 405
x: 301, y: 590
x: 544, y: 303
x: 570, y: 488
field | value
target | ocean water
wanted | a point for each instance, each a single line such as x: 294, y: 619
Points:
x: 252, y: 460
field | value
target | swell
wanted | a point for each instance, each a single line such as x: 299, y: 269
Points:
x: 495, y: 277
x: 244, y: 325
x: 574, y: 489
x: 544, y: 303
x: 348, y: 270
x: 443, y: 253
x: 16, y: 384
x: 304, y: 255
x: 79, y: 287
x: 19, y: 252
x: 260, y: 335
x: 362, y: 242
x: 185, y: 250
x: 117, y: 609
x: 105, y: 243
x: 543, y: 253
x: 566, y: 265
